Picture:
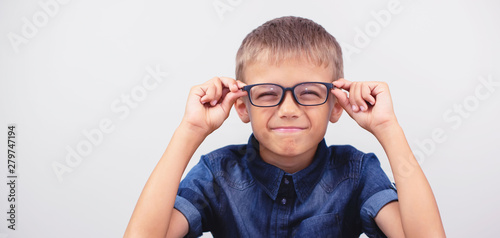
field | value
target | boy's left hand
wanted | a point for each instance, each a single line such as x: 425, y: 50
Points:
x: 368, y: 103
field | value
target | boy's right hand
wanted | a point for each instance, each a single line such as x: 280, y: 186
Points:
x: 209, y: 104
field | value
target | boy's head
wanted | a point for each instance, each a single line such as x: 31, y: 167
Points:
x: 288, y: 38
x: 289, y: 51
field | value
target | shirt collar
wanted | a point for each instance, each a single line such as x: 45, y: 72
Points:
x: 270, y: 176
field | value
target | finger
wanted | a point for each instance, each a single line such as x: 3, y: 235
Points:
x: 353, y: 92
x: 200, y: 93
x: 229, y: 83
x: 202, y: 90
x: 378, y: 88
x: 240, y: 84
x: 218, y: 91
x: 225, y: 91
x: 230, y: 99
x: 214, y: 91
x: 211, y: 89
x: 366, y: 93
x: 343, y: 100
x: 342, y: 83
x: 208, y: 94
x: 358, y: 97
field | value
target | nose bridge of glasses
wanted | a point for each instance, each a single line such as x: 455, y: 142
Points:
x: 291, y: 94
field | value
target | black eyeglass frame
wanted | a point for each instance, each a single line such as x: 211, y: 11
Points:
x: 328, y: 86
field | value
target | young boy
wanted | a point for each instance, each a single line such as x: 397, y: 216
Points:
x: 286, y: 182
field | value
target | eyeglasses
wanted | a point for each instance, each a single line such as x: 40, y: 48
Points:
x: 305, y: 94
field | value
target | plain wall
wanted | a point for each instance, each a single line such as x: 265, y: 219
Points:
x: 68, y: 68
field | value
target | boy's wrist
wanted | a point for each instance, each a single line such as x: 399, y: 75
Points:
x: 187, y: 138
x: 386, y: 129
x: 193, y: 130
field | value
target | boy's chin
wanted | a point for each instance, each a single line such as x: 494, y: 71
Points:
x: 291, y: 147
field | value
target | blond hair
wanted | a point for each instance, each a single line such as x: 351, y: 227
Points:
x: 287, y: 38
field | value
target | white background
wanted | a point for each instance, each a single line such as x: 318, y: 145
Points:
x: 63, y: 79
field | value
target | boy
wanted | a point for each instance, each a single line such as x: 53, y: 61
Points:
x: 286, y: 182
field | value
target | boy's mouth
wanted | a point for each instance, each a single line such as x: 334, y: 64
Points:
x: 287, y: 129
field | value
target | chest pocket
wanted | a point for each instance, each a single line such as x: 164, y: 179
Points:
x: 326, y: 225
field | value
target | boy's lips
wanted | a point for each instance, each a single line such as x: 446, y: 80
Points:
x: 287, y: 129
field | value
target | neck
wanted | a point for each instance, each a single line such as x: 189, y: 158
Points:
x: 290, y: 164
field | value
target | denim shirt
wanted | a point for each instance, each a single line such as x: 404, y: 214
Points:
x: 232, y: 192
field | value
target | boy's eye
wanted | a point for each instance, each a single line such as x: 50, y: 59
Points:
x: 266, y: 95
x: 309, y: 93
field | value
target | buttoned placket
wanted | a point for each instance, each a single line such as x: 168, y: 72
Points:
x: 285, y: 200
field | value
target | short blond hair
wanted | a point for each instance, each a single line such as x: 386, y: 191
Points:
x: 287, y: 38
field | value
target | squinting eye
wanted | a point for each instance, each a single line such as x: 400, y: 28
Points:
x: 266, y: 94
x: 310, y: 93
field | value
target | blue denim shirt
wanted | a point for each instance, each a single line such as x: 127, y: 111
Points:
x: 232, y: 192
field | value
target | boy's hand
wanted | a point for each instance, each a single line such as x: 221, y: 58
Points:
x: 368, y: 103
x: 209, y: 104
x: 416, y: 213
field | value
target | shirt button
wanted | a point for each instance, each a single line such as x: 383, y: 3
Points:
x: 283, y: 201
x: 287, y: 181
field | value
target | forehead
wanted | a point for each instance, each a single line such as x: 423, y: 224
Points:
x: 288, y: 72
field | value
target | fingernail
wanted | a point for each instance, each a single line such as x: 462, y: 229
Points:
x: 354, y: 108
x: 213, y: 103
x: 361, y: 108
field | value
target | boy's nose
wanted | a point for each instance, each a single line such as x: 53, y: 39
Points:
x: 288, y: 107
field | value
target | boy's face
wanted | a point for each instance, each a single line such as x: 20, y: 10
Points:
x: 289, y: 129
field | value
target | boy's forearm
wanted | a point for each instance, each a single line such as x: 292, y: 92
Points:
x: 152, y: 213
x: 419, y: 211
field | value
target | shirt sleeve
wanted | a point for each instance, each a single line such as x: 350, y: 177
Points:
x: 376, y: 191
x: 196, y: 191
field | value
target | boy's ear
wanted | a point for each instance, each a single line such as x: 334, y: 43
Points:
x: 336, y: 112
x: 241, y: 109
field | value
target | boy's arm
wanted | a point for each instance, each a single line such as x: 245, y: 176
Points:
x: 370, y: 105
x: 207, y: 107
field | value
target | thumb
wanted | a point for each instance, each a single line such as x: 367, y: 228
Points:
x: 230, y: 99
x: 343, y: 100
